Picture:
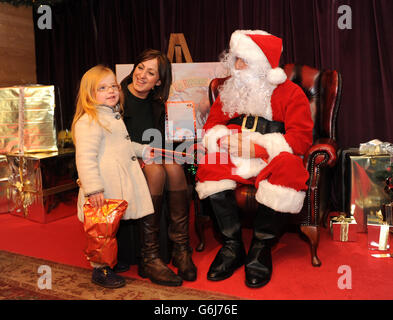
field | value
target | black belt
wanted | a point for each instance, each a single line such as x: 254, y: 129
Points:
x: 258, y: 124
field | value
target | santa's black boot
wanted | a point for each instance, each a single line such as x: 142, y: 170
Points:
x: 269, y: 226
x: 232, y: 254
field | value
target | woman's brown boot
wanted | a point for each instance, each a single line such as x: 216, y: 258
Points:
x: 179, y: 234
x: 152, y: 266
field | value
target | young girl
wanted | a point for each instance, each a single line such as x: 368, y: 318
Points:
x: 106, y: 158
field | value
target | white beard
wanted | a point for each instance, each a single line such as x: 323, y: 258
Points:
x: 247, y: 92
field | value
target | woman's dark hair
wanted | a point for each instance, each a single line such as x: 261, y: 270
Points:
x: 161, y: 92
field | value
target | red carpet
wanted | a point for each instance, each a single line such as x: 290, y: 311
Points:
x: 293, y: 277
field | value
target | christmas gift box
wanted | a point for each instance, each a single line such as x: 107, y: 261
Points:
x: 5, y: 203
x: 387, y: 213
x: 27, y: 119
x: 42, y: 186
x: 378, y: 228
x: 364, y: 180
x: 343, y: 228
x: 378, y: 237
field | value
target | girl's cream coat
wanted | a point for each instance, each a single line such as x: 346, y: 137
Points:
x: 106, y: 161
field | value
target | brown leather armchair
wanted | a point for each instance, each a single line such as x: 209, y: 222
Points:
x: 323, y: 89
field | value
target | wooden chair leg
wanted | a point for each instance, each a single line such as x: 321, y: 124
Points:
x: 312, y: 233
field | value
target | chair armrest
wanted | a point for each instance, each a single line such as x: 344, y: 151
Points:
x: 322, y: 153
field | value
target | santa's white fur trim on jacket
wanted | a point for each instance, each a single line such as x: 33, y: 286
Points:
x: 274, y: 143
x: 280, y: 198
x: 247, y: 167
x: 213, y: 135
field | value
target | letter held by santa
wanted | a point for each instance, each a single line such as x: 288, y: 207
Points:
x: 271, y: 113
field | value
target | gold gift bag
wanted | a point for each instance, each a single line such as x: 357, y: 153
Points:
x: 101, y: 226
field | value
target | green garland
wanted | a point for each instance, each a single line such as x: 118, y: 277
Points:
x: 29, y: 3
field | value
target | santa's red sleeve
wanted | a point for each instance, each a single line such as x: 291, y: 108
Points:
x: 298, y: 123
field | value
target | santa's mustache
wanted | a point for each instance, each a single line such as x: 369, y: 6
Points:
x: 243, y: 77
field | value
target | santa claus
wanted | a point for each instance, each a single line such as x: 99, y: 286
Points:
x: 257, y: 131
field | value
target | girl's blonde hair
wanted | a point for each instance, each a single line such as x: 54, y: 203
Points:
x: 86, y: 102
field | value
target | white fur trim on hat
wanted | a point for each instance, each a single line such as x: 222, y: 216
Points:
x: 207, y: 188
x: 242, y: 46
x: 247, y: 167
x: 276, y: 76
x: 213, y: 135
x: 274, y: 143
x: 280, y: 198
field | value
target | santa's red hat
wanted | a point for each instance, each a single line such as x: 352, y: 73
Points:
x: 261, y: 48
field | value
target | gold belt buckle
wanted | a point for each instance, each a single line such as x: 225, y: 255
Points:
x: 254, y: 126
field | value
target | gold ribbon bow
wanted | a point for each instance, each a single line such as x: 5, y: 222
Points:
x: 344, y: 226
x: 25, y: 193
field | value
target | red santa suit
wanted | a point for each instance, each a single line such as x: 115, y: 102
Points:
x: 277, y: 171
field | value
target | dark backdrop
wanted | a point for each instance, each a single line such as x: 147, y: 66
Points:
x: 87, y: 32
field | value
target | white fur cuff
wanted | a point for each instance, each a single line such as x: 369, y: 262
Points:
x: 280, y: 198
x: 213, y: 135
x: 207, y: 188
x: 274, y: 143
x: 247, y: 168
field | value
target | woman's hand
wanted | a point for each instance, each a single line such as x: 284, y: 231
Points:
x: 97, y: 200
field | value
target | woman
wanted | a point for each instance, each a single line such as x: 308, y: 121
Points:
x: 145, y: 92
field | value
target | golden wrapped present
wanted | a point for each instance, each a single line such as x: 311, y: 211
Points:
x: 387, y: 213
x: 378, y: 234
x: 41, y: 186
x: 100, y: 226
x: 364, y: 184
x: 27, y: 119
x: 5, y: 202
x: 343, y: 228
